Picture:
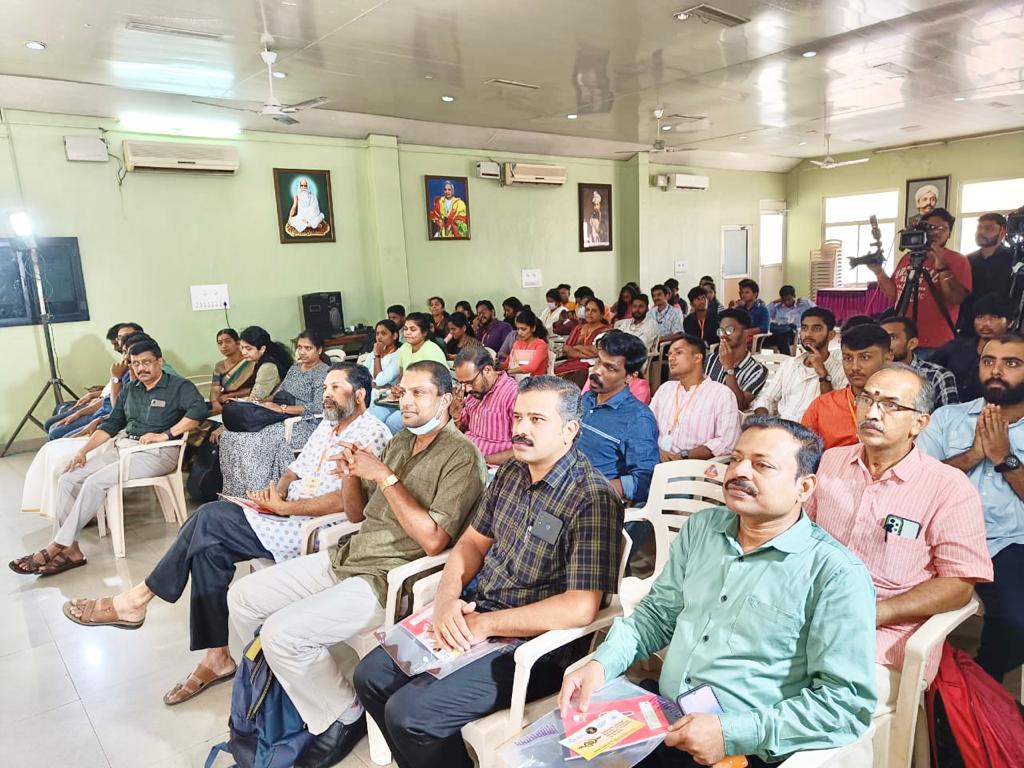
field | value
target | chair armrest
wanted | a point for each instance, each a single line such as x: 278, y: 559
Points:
x: 528, y: 653
x: 398, y: 576
x: 331, y: 536
x: 125, y: 454
x: 425, y: 590
x: 311, y: 527
x: 289, y: 427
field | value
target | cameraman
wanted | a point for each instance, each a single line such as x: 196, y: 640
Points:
x: 990, y: 266
x: 951, y: 274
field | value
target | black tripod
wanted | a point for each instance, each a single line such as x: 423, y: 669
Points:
x: 55, y: 382
x: 912, y: 287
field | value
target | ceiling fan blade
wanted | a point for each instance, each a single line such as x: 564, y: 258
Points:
x: 678, y: 149
x: 286, y: 119
x: 858, y: 161
x: 307, y: 104
x: 224, y: 106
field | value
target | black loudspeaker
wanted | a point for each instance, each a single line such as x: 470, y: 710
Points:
x: 322, y: 312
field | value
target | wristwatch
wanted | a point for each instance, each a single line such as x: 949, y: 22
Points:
x: 170, y: 436
x: 684, y: 454
x: 730, y: 371
x: 1010, y: 463
x: 388, y: 481
x: 826, y: 377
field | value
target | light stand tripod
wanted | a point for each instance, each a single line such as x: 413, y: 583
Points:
x: 55, y: 382
x: 912, y: 287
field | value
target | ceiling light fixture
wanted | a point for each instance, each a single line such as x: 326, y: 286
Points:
x: 35, y: 45
x: 666, y: 127
x: 959, y: 98
x: 280, y: 75
x: 180, y: 126
x: 809, y: 54
x: 571, y: 117
x: 160, y: 29
x: 743, y: 138
x: 802, y: 144
x: 680, y: 15
x: 447, y: 99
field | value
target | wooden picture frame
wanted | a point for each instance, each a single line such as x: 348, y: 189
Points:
x: 304, y: 221
x: 934, y: 193
x: 594, y: 217
x: 447, y: 221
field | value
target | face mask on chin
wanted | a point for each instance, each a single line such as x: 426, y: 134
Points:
x: 431, y: 425
x: 581, y: 313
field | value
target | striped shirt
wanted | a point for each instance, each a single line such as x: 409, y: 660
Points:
x: 750, y: 374
x: 942, y: 380
x: 704, y: 415
x: 795, y: 385
x: 487, y: 421
x: 943, y: 529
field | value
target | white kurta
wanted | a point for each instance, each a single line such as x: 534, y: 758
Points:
x: 308, y: 215
x: 39, y: 492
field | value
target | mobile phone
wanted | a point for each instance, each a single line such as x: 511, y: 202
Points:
x: 701, y: 699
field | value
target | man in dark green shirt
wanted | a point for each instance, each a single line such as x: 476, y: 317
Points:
x: 155, y: 408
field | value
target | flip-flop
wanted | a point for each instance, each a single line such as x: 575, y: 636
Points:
x: 100, y: 613
x: 60, y: 563
x: 30, y: 560
x: 198, y: 680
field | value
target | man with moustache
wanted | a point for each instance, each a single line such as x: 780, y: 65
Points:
x: 985, y: 439
x: 540, y: 553
x: 903, y: 341
x: 915, y: 522
x: 762, y: 606
x: 412, y: 501
x: 489, y: 331
x: 990, y: 266
x: 619, y: 434
x: 482, y: 404
x: 642, y: 324
x: 221, y: 533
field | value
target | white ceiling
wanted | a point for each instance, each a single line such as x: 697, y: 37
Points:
x: 760, y: 102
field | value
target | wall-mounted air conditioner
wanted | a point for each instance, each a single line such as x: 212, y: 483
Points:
x: 681, y: 181
x: 179, y: 156
x: 487, y: 169
x: 524, y: 173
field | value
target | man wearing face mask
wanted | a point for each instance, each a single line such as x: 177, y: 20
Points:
x: 221, y: 534
x: 412, y: 501
x: 914, y: 522
x: 540, y: 553
x: 482, y: 404
x: 990, y: 266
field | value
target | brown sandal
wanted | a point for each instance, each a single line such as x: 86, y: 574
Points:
x: 30, y: 561
x: 99, y: 613
x: 201, y: 678
x: 60, y: 563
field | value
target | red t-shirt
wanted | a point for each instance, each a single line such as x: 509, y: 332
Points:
x: 932, y: 329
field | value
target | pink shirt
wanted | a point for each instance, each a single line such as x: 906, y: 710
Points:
x: 704, y: 415
x: 487, y: 422
x: 940, y: 499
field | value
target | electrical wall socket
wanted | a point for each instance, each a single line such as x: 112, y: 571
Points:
x: 205, y: 297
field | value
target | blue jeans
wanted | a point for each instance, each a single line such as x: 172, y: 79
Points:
x: 392, y: 417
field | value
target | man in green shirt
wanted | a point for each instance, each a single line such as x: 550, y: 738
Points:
x: 154, y: 408
x: 413, y: 501
x: 761, y: 605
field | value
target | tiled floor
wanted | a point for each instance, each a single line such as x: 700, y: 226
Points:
x: 88, y: 697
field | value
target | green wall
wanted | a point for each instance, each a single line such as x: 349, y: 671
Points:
x: 144, y: 243
x: 807, y: 187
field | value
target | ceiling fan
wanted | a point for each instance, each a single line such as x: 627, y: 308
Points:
x: 828, y: 162
x: 659, y: 146
x: 272, y: 108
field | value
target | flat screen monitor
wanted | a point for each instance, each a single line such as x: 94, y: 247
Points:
x: 60, y: 265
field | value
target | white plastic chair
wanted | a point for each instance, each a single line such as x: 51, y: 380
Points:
x: 551, y: 362
x: 758, y: 342
x: 680, y: 488
x: 204, y: 383
x: 170, y: 492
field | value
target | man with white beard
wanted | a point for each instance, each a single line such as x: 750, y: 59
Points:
x: 305, y: 213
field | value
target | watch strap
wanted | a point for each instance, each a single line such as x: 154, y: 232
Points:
x: 388, y: 481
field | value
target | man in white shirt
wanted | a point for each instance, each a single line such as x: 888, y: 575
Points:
x: 813, y: 372
x: 642, y: 324
x: 668, y: 316
x: 697, y: 418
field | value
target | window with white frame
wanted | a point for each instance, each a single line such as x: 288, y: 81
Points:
x: 772, y: 237
x: 978, y: 197
x: 847, y: 219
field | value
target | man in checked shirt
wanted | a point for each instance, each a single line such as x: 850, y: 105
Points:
x: 544, y: 547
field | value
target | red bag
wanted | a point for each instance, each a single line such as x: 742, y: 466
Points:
x: 986, y: 724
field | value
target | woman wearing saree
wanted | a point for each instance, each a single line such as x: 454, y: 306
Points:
x: 234, y: 376
x: 579, y: 347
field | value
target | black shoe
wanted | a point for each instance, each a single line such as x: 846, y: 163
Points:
x: 333, y: 745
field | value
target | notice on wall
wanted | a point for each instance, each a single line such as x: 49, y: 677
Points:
x: 532, y: 278
x: 681, y: 268
x: 206, y: 297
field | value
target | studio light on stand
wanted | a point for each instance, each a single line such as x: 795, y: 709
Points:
x: 21, y: 223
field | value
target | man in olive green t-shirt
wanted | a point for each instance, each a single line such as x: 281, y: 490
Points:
x: 413, y: 501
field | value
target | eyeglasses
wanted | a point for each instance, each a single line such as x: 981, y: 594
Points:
x: 865, y: 401
x: 731, y: 331
x: 467, y: 384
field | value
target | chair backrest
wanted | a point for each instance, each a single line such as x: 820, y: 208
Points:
x: 680, y: 488
x: 771, y: 362
x: 551, y: 362
x: 203, y: 382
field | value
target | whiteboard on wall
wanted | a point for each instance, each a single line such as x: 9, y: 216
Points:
x: 735, y: 251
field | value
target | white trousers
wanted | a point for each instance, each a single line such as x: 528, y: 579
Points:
x: 305, y: 610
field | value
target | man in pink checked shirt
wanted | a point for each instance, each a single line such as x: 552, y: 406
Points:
x: 915, y: 522
x: 482, y: 404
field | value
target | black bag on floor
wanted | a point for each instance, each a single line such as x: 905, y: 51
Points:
x: 204, y: 478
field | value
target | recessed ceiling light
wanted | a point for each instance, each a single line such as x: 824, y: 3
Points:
x: 571, y: 117
x: 666, y: 127
x: 959, y: 98
x: 680, y: 15
x: 428, y: 77
x: 280, y: 75
x: 802, y: 144
x: 35, y: 45
x: 447, y: 99
x: 809, y: 54
x: 743, y: 138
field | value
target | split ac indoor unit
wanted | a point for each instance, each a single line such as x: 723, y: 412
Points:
x: 524, y: 173
x: 179, y: 156
x: 685, y: 181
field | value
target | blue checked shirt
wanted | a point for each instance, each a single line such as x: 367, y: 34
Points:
x: 620, y: 437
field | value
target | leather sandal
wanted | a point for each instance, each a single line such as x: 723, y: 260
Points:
x: 60, y: 563
x: 28, y: 565
x: 98, y: 613
x: 201, y: 678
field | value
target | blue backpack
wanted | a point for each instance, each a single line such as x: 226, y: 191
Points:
x: 266, y: 729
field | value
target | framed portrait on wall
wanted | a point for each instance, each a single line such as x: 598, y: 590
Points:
x: 595, y: 217
x: 447, y: 199
x: 305, y: 213
x: 925, y: 195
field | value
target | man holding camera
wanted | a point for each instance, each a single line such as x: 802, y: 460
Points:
x: 951, y: 274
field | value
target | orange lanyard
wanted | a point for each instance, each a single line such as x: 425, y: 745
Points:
x: 682, y: 407
x: 701, y: 324
x: 849, y: 404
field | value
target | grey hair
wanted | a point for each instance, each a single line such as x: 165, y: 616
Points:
x: 925, y: 400
x: 570, y: 399
x: 480, y: 357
